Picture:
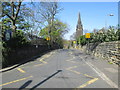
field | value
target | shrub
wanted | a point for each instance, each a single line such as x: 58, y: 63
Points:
x: 110, y: 35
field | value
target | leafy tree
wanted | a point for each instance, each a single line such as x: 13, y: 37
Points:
x: 57, y: 33
x: 16, y: 13
x: 11, y: 10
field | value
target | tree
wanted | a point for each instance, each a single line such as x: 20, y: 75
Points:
x: 73, y: 36
x: 48, y: 12
x: 11, y: 10
x: 59, y: 29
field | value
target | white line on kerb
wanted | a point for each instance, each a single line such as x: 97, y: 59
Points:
x: 101, y: 74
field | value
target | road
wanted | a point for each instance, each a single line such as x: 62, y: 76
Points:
x: 63, y: 68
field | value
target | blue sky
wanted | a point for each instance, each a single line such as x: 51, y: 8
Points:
x: 93, y: 15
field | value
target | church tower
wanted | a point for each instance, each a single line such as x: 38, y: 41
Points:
x: 79, y: 27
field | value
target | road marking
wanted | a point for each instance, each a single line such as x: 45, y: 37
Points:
x: 22, y: 71
x: 88, y: 76
x: 101, y: 74
x: 71, y: 67
x: 73, y: 61
x: 15, y: 81
x: 87, y: 83
x: 43, y: 61
x: 70, y: 60
x: 75, y: 71
x: 46, y: 56
x: 38, y: 65
x: 78, y: 72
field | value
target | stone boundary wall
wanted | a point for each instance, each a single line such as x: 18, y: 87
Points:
x: 108, y: 50
x: 19, y: 55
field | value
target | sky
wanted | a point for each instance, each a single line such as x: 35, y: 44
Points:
x: 93, y: 15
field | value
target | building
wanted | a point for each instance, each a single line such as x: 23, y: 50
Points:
x: 79, y: 27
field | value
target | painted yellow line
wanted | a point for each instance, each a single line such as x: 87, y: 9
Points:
x: 38, y: 65
x: 46, y: 56
x: 71, y: 67
x: 75, y: 71
x: 78, y: 72
x: 87, y: 83
x: 43, y: 61
x: 15, y: 81
x: 88, y: 76
x: 22, y: 71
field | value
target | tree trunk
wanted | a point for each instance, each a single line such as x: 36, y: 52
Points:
x: 13, y: 27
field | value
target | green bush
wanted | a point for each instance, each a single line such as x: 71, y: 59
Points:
x: 110, y: 35
x: 83, y: 40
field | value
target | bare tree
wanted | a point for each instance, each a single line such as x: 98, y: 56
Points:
x: 73, y: 36
x: 48, y: 12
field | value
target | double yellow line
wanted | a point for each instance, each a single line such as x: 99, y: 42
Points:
x: 88, y: 82
x: 70, y: 69
x: 42, y: 59
x: 22, y: 71
x: 16, y: 81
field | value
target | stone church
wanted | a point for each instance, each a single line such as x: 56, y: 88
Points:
x: 79, y: 27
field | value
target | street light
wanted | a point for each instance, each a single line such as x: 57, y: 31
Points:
x: 106, y: 20
x: 111, y: 15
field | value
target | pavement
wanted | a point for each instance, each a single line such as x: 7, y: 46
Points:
x: 63, y: 68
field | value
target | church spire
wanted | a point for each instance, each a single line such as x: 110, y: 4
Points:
x: 79, y: 19
x: 79, y: 24
x: 79, y: 28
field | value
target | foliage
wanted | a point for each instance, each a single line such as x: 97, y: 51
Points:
x: 118, y: 34
x: 17, y: 41
x: 10, y: 11
x: 15, y: 12
x: 58, y: 29
x: 82, y: 40
x: 101, y: 36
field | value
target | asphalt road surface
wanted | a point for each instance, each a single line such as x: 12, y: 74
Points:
x: 63, y: 68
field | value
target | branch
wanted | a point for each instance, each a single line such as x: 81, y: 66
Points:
x: 12, y: 5
x: 9, y: 16
x: 18, y: 9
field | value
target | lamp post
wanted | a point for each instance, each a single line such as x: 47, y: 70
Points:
x: 106, y: 20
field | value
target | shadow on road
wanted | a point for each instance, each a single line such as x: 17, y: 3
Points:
x: 45, y: 79
x: 25, y: 85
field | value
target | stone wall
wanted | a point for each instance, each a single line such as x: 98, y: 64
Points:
x: 108, y: 50
x: 21, y: 54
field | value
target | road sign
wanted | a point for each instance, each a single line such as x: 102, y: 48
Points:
x: 74, y: 41
x: 87, y: 35
x: 48, y: 38
x: 8, y: 34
